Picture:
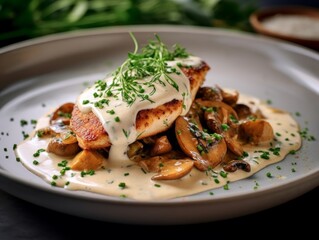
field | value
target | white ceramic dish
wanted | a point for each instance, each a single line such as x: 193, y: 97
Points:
x: 40, y: 74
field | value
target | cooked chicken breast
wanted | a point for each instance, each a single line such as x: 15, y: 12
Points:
x: 91, y: 134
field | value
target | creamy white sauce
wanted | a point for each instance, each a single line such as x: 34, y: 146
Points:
x: 123, y: 132
x: 139, y: 184
x: 293, y: 25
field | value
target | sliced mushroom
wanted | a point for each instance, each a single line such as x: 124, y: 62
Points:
x: 58, y: 147
x: 217, y: 106
x: 204, y: 149
x: 256, y: 132
x: 213, y: 122
x: 87, y: 160
x: 210, y: 93
x: 161, y: 146
x: 243, y: 111
x: 174, y: 169
x: 63, y: 113
x: 233, y: 145
x: 230, y: 98
x: 233, y: 165
x: 45, y: 132
x: 167, y: 169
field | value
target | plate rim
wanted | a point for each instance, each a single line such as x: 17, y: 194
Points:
x: 159, y: 28
x: 169, y: 29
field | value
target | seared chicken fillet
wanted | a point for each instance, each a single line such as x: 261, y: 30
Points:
x: 91, y: 134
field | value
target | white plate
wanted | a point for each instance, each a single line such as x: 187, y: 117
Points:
x: 40, y: 74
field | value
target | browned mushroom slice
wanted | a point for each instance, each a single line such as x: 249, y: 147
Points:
x: 243, y: 111
x: 45, y: 132
x: 167, y: 169
x: 217, y: 107
x: 87, y: 160
x: 204, y: 149
x: 256, y: 132
x: 63, y: 113
x: 210, y: 93
x: 174, y: 169
x: 59, y: 126
x: 233, y: 165
x: 161, y: 146
x: 230, y: 98
x: 58, y: 147
x: 213, y: 122
x: 233, y: 145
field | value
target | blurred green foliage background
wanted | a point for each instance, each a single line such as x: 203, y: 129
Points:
x: 25, y: 19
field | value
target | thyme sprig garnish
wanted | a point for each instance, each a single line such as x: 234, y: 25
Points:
x: 137, y: 77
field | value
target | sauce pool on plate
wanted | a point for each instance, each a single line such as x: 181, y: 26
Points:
x: 127, y: 179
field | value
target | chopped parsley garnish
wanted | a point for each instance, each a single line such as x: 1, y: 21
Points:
x: 89, y: 172
x: 25, y: 135
x: 122, y: 185
x: 111, y: 112
x: 35, y: 162
x: 305, y: 135
x: 38, y: 152
x: 225, y: 127
x: 265, y: 155
x: 40, y: 133
x: 117, y: 119
x: 256, y: 185
x: 293, y: 152
x: 63, y: 114
x: 157, y: 185
x: 275, y: 151
x: 233, y: 119
x: 63, y: 163
x: 223, y: 174
x: 34, y: 122
x: 268, y: 174
x: 23, y: 122
x: 126, y: 133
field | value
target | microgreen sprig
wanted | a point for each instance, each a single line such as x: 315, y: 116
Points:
x: 137, y: 77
